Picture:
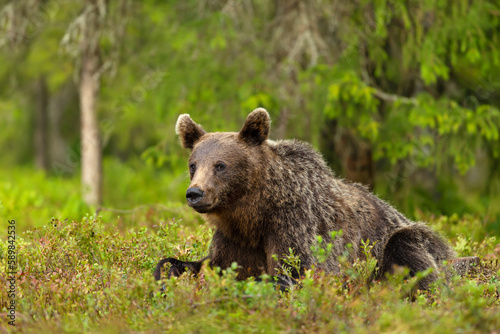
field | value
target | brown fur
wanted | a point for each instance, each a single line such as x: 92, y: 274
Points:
x: 265, y: 197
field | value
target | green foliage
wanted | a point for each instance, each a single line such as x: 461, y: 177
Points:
x: 89, y: 275
x: 429, y: 131
x: 322, y: 251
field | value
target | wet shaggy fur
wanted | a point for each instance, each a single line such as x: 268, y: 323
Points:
x: 265, y: 197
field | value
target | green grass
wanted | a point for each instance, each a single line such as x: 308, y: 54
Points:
x: 91, y: 276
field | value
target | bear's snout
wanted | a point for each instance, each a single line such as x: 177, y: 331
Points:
x: 194, y: 195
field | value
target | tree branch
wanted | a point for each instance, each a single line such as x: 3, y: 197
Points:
x: 394, y: 98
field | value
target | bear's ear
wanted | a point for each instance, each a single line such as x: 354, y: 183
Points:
x: 188, y: 131
x: 256, y: 128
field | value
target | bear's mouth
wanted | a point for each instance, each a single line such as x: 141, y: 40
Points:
x: 202, y: 207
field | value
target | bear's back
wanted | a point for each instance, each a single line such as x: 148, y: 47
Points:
x: 299, y: 174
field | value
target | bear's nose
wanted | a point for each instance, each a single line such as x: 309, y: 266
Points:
x: 194, y: 195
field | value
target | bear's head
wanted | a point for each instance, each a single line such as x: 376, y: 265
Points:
x: 223, y: 166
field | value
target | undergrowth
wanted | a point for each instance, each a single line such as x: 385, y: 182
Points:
x: 91, y: 276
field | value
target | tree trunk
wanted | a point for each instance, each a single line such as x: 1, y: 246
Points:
x: 90, y: 137
x: 345, y: 151
x: 41, y: 142
x: 356, y: 157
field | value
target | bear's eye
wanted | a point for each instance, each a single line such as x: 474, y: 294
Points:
x: 220, y: 166
x: 192, y: 168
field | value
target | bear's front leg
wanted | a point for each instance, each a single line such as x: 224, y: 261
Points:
x: 177, y: 267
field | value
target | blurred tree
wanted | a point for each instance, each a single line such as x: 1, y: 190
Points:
x: 84, y: 33
x: 93, y: 32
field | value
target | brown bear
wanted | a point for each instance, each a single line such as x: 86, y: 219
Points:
x: 265, y: 197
